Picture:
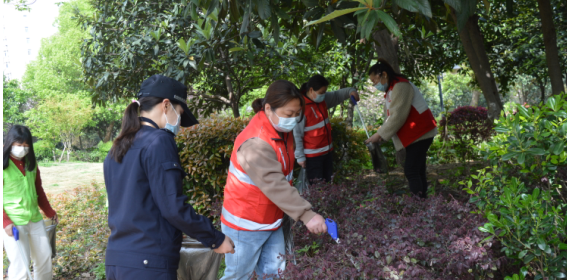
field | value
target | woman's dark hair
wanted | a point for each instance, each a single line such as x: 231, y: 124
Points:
x: 278, y: 94
x: 383, y: 66
x: 131, y: 124
x: 316, y: 82
x: 19, y: 134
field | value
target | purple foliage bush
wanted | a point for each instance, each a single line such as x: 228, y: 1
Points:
x: 391, y: 237
x: 469, y: 123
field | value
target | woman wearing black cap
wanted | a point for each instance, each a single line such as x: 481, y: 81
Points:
x: 143, y: 177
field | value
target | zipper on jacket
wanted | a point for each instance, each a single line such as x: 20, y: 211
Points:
x: 315, y: 112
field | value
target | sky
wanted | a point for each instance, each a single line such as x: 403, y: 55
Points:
x: 20, y: 45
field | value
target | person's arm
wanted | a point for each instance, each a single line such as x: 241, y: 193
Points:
x: 259, y: 161
x: 162, y: 166
x: 7, y: 220
x: 333, y: 98
x: 43, y: 202
x: 298, y: 134
x: 402, y: 97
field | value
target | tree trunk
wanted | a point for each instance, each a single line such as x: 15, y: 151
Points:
x: 235, y: 108
x: 63, y: 151
x: 521, y: 97
x: 234, y: 101
x: 388, y: 48
x: 109, y: 132
x: 472, y: 41
x: 475, y: 95
x: 549, y: 36
x: 349, y: 114
x: 542, y: 90
x: 80, y: 143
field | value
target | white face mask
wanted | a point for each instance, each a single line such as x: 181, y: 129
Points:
x: 176, y: 127
x: 19, y: 151
x: 285, y: 124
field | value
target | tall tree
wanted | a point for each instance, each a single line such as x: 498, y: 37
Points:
x: 57, y: 70
x: 549, y: 37
x: 60, y: 118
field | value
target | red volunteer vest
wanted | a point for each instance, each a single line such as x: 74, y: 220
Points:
x: 420, y: 120
x: 317, y: 140
x: 245, y: 206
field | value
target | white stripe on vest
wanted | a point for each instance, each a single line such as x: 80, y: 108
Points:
x: 319, y: 150
x: 319, y: 125
x: 244, y: 178
x: 247, y: 224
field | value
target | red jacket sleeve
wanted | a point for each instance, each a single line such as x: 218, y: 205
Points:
x: 43, y: 202
x: 7, y: 220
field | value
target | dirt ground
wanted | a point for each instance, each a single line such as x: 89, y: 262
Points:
x: 442, y: 178
x: 59, y: 177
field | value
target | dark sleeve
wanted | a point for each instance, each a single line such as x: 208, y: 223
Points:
x: 43, y: 202
x: 162, y: 166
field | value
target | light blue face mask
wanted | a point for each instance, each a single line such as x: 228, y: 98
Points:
x: 174, y: 128
x: 285, y: 124
x: 320, y: 98
x: 381, y: 87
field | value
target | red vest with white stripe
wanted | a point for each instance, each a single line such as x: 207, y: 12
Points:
x: 420, y: 120
x: 317, y: 140
x: 245, y: 206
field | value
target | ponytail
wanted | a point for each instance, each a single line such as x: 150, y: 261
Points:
x: 131, y: 124
x: 316, y: 82
x: 257, y: 105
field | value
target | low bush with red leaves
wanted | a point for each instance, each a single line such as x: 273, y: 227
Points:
x: 391, y: 237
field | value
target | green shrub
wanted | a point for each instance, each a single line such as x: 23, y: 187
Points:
x: 205, y: 152
x: 350, y: 152
x: 529, y: 149
x: 103, y: 149
x: 44, y: 150
x: 82, y: 232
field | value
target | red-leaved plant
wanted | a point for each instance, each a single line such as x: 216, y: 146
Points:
x: 391, y: 237
x: 468, y: 126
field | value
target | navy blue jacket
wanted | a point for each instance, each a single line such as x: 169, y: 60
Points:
x: 147, y: 210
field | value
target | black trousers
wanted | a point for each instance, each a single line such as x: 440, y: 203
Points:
x: 415, y: 166
x: 320, y: 167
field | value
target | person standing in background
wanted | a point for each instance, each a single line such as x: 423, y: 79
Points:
x: 409, y: 123
x: 313, y: 135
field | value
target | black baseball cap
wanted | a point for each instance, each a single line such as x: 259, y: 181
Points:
x: 171, y: 89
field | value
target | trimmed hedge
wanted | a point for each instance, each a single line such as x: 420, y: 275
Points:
x: 205, y: 150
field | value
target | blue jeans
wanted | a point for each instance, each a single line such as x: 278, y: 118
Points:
x: 262, y: 251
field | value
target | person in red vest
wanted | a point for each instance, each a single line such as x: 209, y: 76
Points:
x: 313, y: 134
x: 409, y: 122
x: 259, y: 186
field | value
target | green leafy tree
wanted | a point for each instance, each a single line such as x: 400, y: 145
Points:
x: 57, y: 71
x: 16, y: 102
x: 60, y: 118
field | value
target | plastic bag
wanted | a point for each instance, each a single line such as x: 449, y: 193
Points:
x: 197, y: 262
x: 302, y: 181
x: 378, y: 160
x: 51, y: 229
x: 287, y: 226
